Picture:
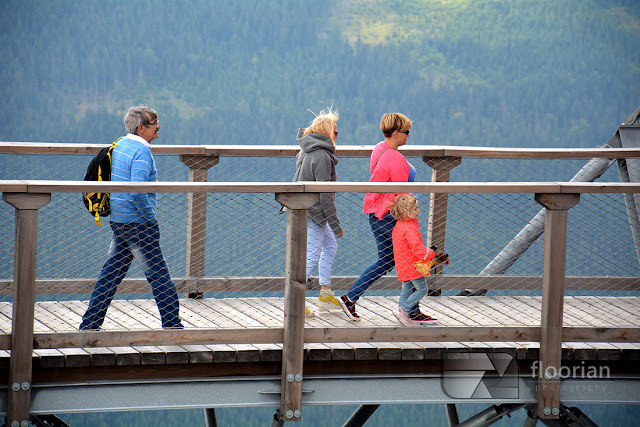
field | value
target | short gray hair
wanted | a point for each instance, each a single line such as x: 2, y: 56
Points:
x: 136, y: 116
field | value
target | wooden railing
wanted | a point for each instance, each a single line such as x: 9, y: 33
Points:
x: 428, y: 151
x: 556, y: 197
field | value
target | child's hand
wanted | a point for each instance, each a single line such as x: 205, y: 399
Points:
x: 424, y: 266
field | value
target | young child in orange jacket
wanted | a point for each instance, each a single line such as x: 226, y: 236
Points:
x: 408, y: 250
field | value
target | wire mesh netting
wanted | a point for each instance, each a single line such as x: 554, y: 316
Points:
x: 244, y: 240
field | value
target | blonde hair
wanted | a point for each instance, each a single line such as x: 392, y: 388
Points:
x: 402, y: 205
x: 392, y: 122
x: 324, y: 123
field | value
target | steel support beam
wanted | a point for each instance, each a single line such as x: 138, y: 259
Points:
x: 361, y: 415
x: 239, y: 392
x: 210, y: 417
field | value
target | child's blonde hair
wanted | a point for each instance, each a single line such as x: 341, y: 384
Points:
x: 402, y: 205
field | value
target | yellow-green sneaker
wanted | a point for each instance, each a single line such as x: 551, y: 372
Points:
x: 308, y: 313
x: 328, y: 302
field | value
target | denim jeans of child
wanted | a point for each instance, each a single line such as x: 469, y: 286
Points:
x: 143, y: 240
x: 382, y: 230
x: 412, y: 292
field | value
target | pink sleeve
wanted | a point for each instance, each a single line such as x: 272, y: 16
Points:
x: 398, y: 168
x: 391, y: 167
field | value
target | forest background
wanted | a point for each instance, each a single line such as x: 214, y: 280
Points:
x: 476, y: 73
x: 518, y: 73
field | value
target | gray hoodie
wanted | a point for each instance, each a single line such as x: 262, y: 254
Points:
x: 316, y: 161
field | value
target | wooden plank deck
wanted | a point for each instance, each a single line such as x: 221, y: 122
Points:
x: 376, y: 311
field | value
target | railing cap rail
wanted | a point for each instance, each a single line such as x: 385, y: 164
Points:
x: 9, y: 147
x: 41, y: 186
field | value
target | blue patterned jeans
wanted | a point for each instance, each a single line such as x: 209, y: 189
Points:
x: 143, y: 240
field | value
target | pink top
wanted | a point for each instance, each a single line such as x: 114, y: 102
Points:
x: 387, y: 165
x: 408, y: 248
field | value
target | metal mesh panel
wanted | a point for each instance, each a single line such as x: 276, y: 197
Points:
x: 245, y: 239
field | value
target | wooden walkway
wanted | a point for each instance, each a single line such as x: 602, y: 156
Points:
x: 234, y: 313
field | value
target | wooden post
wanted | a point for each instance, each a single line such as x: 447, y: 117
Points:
x: 553, y: 277
x: 294, y: 292
x: 436, y: 231
x: 196, y: 220
x: 24, y: 298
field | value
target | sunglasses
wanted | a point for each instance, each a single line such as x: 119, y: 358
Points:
x: 406, y: 132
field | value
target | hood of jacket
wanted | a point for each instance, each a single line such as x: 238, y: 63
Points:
x: 316, y: 141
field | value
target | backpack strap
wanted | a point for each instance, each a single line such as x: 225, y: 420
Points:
x: 96, y: 208
x: 378, y: 159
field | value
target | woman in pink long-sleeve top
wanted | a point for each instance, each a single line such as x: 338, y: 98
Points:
x: 387, y: 164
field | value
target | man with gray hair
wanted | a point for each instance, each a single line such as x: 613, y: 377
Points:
x: 134, y: 225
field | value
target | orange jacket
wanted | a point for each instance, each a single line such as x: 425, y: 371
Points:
x: 408, y: 248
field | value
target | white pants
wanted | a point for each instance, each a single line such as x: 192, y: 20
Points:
x: 321, y: 250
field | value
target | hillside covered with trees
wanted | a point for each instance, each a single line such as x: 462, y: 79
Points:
x: 478, y: 73
x: 516, y: 73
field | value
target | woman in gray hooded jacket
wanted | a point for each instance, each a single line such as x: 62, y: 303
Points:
x: 316, y: 161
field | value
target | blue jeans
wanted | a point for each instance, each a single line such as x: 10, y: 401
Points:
x: 382, y: 229
x: 143, y: 240
x: 321, y: 250
x: 412, y: 292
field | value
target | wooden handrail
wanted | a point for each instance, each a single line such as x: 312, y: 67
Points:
x: 84, y: 286
x: 44, y: 340
x: 40, y: 186
x: 9, y: 147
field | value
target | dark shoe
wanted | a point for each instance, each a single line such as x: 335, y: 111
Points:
x: 348, y: 307
x: 421, y: 317
x: 176, y: 326
x: 471, y: 293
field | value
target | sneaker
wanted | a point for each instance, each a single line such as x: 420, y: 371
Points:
x: 472, y: 293
x: 328, y: 302
x: 308, y: 313
x: 348, y: 307
x: 421, y: 318
x: 403, y: 317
